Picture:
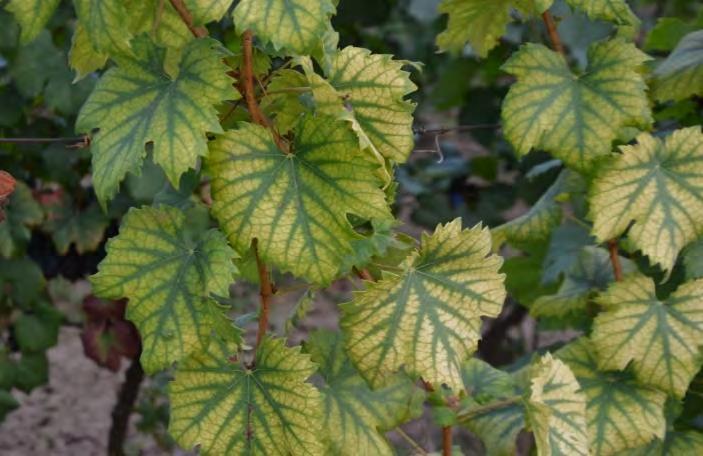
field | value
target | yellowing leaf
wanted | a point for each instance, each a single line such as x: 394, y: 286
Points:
x: 480, y: 22
x: 428, y: 317
x: 610, y: 10
x: 355, y: 415
x: 32, y: 16
x: 228, y: 408
x: 168, y: 270
x: 620, y: 412
x: 658, y: 185
x: 82, y: 57
x: 205, y: 11
x: 137, y: 103
x: 106, y: 24
x: 661, y: 339
x: 675, y: 443
x: 297, y: 26
x: 556, y: 409
x: 574, y: 117
x: 681, y: 74
x: 295, y: 204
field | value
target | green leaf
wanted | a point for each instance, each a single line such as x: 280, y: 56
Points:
x: 498, y: 426
x: 574, y: 117
x: 21, y: 213
x: 373, y: 88
x: 106, y: 23
x: 32, y: 16
x: 168, y: 270
x: 38, y: 331
x: 427, y: 317
x: 32, y: 370
x: 137, y: 103
x: 205, y: 11
x: 616, y: 11
x: 556, y: 409
x: 591, y: 273
x: 565, y: 244
x: 681, y: 74
x: 675, y: 443
x: 161, y: 22
x: 661, y: 340
x: 21, y: 282
x: 621, y: 413
x: 692, y: 260
x: 34, y: 64
x: 669, y: 31
x: 356, y: 416
x: 658, y: 184
x: 295, y: 204
x: 69, y: 225
x: 82, y: 58
x: 228, y: 408
x: 296, y: 26
x: 7, y: 404
x: 480, y: 22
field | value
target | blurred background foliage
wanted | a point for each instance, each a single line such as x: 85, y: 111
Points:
x: 462, y: 166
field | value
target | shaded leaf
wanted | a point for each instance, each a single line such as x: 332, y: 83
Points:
x: 21, y: 213
x: 681, y: 74
x: 32, y: 16
x: 479, y: 22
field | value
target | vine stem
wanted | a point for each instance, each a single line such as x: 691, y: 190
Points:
x: 447, y: 441
x: 187, y: 18
x: 123, y: 408
x: 416, y: 446
x: 615, y: 259
x: 552, y: 31
x: 266, y: 292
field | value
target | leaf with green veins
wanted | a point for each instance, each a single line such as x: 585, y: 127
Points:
x: 21, y: 213
x: 228, y: 408
x: 82, y: 58
x: 479, y: 22
x: 372, y: 89
x: 138, y: 103
x: 356, y: 416
x: 616, y: 11
x: 675, y: 443
x: 556, y: 409
x: 621, y: 413
x: 426, y: 318
x: 591, y: 273
x: 661, y: 340
x: 681, y: 75
x: 497, y: 427
x: 296, y: 26
x: 283, y: 100
x: 658, y: 184
x: 692, y: 260
x: 168, y: 270
x: 32, y: 16
x: 160, y: 20
x: 71, y: 225
x: 537, y: 223
x: 106, y: 24
x: 574, y: 117
x: 295, y: 204
x: 205, y: 11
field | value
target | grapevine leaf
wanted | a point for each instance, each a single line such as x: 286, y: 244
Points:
x: 21, y: 213
x: 39, y: 330
x: 681, y: 74
x: 228, y: 408
x: 575, y: 117
x: 661, y: 339
x: 168, y: 270
x: 591, y: 273
x: 616, y: 11
x: 428, y: 317
x: 556, y: 409
x: 658, y: 185
x: 68, y: 225
x: 669, y: 31
x: 137, y: 103
x: 355, y: 415
x: 692, y: 260
x: 621, y: 413
x: 32, y: 15
x: 82, y: 57
x: 282, y: 100
x: 106, y: 24
x: 205, y: 11
x: 295, y: 204
x: 532, y: 7
x: 373, y: 88
x: 675, y: 443
x: 21, y: 282
x: 7, y: 403
x: 161, y: 21
x: 294, y: 25
x: 32, y: 370
x: 498, y: 427
x: 565, y: 244
x: 480, y: 22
